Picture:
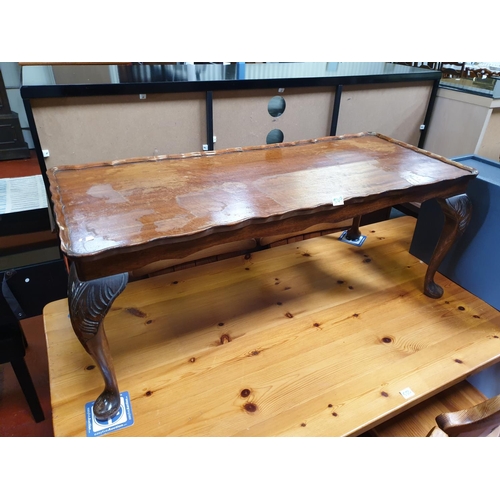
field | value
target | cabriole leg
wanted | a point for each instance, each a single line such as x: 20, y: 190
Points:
x: 457, y: 214
x: 89, y: 302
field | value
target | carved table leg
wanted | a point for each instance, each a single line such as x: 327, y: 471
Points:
x: 89, y: 302
x: 353, y: 232
x: 457, y: 214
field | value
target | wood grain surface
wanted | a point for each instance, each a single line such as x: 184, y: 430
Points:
x: 315, y: 338
x: 421, y: 419
x: 120, y: 216
x: 104, y: 206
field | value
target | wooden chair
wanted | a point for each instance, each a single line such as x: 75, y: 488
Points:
x: 453, y: 69
x: 482, y: 420
x: 479, y: 73
x: 443, y: 416
x: 425, y: 65
x: 429, y: 65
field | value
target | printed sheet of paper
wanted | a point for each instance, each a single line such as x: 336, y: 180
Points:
x: 22, y: 193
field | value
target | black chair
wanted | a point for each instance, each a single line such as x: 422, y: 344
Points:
x: 13, y: 346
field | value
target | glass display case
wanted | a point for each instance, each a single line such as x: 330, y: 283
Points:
x: 489, y: 87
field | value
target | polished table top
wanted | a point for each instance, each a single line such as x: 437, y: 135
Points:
x: 134, y: 204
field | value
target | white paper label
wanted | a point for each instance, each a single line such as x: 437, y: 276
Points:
x: 407, y: 393
x: 338, y: 200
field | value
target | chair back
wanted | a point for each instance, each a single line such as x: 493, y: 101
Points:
x: 453, y: 69
x: 481, y: 420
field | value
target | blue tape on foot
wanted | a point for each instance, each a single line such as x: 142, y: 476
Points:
x: 357, y: 242
x: 124, y: 418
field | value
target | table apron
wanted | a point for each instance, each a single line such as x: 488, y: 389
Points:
x: 121, y: 260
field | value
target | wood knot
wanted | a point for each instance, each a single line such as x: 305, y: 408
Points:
x: 335, y: 414
x: 366, y: 261
x: 250, y: 407
x: 245, y: 393
x: 461, y: 308
x: 316, y: 325
x: 248, y: 256
x: 289, y: 315
x: 90, y: 367
x: 148, y: 393
x: 303, y: 424
x: 459, y: 361
x: 383, y: 393
x: 340, y: 282
x: 192, y: 360
x: 386, y: 340
x: 306, y: 254
x: 224, y: 339
x: 136, y: 312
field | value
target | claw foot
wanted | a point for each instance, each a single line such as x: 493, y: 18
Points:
x: 107, y: 405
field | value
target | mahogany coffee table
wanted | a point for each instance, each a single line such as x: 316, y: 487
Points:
x: 119, y: 216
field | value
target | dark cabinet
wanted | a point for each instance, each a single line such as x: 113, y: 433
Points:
x: 12, y: 144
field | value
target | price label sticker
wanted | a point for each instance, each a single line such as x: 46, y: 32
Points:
x: 337, y: 201
x: 407, y: 393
